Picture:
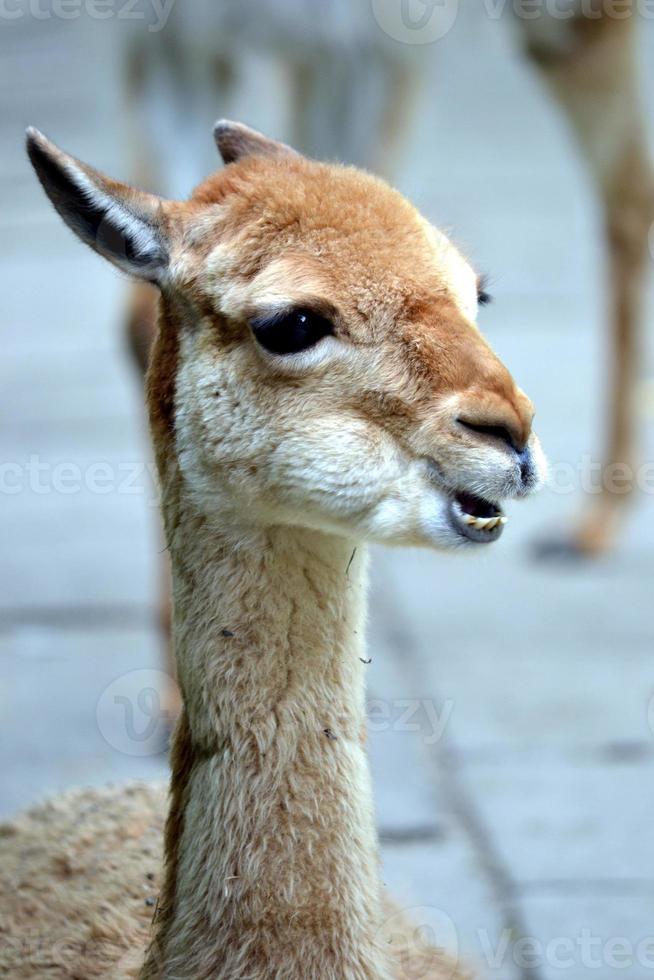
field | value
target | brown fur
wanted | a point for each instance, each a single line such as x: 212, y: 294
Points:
x: 341, y: 240
x: 182, y: 760
x: 79, y: 878
x: 275, y: 471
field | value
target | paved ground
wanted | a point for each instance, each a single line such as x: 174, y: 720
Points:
x: 513, y: 758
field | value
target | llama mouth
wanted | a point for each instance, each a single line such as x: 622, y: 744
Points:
x: 476, y: 519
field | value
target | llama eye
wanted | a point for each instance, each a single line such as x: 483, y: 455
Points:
x: 289, y: 332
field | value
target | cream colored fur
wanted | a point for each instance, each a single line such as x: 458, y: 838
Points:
x: 276, y: 470
x: 79, y: 877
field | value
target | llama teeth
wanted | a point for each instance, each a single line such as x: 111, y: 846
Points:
x: 484, y: 523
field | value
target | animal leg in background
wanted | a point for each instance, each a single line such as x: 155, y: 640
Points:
x: 593, y: 73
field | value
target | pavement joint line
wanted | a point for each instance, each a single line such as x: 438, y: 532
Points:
x: 481, y: 838
x: 397, y: 836
x: 618, y: 887
x: 579, y: 755
x: 449, y: 765
x: 100, y: 617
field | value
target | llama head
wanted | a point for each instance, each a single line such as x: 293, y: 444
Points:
x: 318, y: 362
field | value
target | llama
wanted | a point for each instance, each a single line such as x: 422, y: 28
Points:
x: 354, y: 91
x: 317, y: 382
x: 350, y: 93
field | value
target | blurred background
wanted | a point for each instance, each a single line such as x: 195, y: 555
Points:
x: 511, y: 698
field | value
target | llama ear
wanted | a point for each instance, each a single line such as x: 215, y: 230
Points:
x: 124, y: 225
x: 235, y: 141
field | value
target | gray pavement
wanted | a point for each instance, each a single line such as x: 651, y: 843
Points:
x: 511, y: 732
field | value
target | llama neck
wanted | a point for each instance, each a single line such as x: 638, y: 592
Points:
x: 271, y: 847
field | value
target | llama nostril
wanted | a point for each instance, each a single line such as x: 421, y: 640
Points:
x: 501, y: 432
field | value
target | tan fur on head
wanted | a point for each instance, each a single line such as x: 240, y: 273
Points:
x: 342, y: 436
x: 318, y: 381
x: 371, y: 431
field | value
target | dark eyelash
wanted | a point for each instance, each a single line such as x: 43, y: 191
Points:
x: 290, y: 331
